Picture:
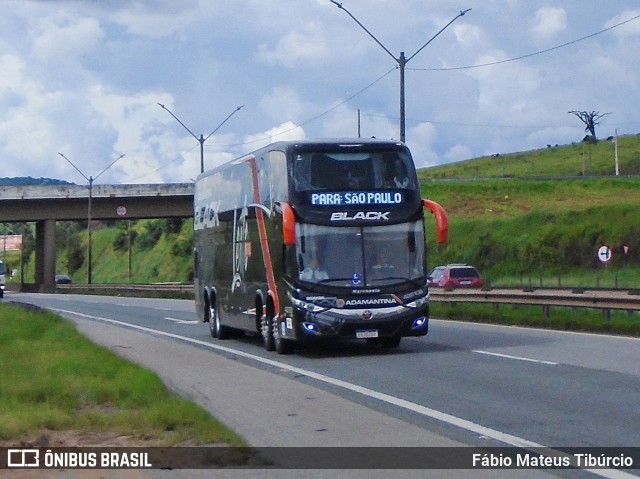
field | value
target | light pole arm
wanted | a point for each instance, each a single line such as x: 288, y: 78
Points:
x: 77, y: 169
x: 224, y: 121
x: 339, y: 5
x: 178, y: 120
x: 462, y: 12
x: 110, y: 165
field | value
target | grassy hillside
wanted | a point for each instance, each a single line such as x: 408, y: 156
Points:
x: 536, y: 215
x: 577, y: 159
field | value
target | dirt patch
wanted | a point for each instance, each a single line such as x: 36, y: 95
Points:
x: 78, y: 439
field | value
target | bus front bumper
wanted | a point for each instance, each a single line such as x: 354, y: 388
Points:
x: 399, y: 321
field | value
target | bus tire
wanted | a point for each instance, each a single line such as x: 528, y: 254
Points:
x: 220, y: 331
x: 266, y: 328
x: 282, y: 345
x: 210, y: 314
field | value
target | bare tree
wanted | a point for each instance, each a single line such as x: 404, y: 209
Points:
x: 590, y: 119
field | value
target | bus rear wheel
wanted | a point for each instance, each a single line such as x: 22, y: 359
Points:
x: 209, y: 314
x: 217, y: 329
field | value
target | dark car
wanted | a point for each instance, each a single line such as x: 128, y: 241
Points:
x: 63, y: 279
x: 455, y: 276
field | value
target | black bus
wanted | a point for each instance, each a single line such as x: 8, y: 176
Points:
x: 311, y: 239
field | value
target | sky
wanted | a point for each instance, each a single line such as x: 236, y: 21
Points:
x: 85, y: 78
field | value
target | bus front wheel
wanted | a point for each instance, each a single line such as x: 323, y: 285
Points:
x: 282, y: 346
x: 266, y: 328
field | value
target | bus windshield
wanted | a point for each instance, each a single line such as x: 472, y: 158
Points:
x: 369, y: 256
x: 346, y: 169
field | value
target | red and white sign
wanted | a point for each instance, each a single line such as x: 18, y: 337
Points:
x: 121, y: 211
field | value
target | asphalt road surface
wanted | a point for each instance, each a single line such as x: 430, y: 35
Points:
x: 462, y: 385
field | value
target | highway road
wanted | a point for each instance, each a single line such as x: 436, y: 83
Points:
x: 463, y: 384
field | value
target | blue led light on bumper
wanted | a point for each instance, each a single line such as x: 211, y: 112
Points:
x: 419, y: 322
x: 310, y: 327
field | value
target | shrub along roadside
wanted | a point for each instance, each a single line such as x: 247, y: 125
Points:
x: 55, y: 381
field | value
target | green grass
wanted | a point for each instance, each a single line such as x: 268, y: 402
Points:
x: 576, y: 159
x: 568, y: 319
x: 542, y: 228
x: 54, y: 379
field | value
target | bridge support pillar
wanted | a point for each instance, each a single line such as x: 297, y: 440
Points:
x: 46, y: 256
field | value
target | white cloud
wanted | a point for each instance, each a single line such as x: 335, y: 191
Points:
x: 629, y: 29
x: 549, y: 21
x: 296, y: 47
x: 84, y: 77
x: 420, y: 139
x: 64, y: 38
x: 156, y: 18
x: 467, y: 34
x: 458, y: 153
x: 282, y: 132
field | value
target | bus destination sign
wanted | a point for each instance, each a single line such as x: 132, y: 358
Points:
x: 342, y: 198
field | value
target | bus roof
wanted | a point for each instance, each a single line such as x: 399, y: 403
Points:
x: 319, y: 142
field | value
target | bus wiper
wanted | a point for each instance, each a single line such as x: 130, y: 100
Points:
x: 312, y: 285
x: 331, y: 280
x: 414, y: 281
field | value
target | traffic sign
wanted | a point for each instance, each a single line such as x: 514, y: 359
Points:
x: 604, y: 254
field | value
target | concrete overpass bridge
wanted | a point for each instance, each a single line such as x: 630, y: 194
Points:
x: 45, y: 205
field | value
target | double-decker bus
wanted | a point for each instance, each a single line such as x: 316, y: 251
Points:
x: 312, y: 239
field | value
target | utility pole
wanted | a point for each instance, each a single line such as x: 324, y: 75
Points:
x: 401, y: 60
x: 90, y: 179
x: 200, y: 139
x: 615, y: 142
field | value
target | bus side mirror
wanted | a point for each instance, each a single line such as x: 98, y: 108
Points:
x: 288, y: 224
x: 442, y: 220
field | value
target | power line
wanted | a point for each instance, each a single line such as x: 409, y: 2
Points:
x: 474, y: 125
x: 540, y: 52
x: 319, y: 115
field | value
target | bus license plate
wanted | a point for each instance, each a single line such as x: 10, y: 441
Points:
x: 370, y: 333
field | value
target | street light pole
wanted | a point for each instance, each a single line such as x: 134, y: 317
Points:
x: 90, y: 179
x: 401, y: 60
x: 201, y: 139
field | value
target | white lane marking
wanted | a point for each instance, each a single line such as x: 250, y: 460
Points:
x: 182, y: 321
x: 518, y: 358
x: 417, y: 408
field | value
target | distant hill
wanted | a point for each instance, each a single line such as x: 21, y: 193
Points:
x: 28, y: 181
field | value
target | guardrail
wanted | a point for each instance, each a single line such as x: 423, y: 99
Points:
x: 604, y: 299
x: 601, y: 298
x: 185, y: 289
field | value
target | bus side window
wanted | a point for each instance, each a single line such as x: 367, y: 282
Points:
x: 278, y: 176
